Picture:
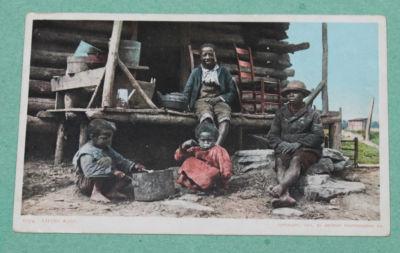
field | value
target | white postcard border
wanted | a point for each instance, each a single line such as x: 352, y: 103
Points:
x: 214, y: 226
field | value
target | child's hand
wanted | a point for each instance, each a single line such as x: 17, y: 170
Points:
x: 104, y: 161
x: 119, y: 174
x: 139, y: 167
x: 189, y: 143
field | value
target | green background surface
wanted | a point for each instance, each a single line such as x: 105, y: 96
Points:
x: 12, y: 15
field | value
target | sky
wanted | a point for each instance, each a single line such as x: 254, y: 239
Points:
x: 353, y: 74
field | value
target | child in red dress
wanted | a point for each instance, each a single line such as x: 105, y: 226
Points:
x: 206, y: 164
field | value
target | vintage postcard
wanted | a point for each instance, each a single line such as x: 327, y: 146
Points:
x: 203, y: 124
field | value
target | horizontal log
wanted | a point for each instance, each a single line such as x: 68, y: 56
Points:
x: 281, y: 26
x: 104, y: 27
x: 260, y: 71
x: 267, y: 59
x: 40, y: 87
x: 40, y: 104
x: 216, y: 26
x: 255, y: 33
x: 49, y: 59
x: 46, y: 74
x: 202, y: 35
x: 188, y: 119
x: 53, y: 47
x: 281, y: 47
x: 37, y: 125
x: 73, y: 38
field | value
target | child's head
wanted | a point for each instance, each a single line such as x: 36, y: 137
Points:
x: 101, y: 132
x: 206, y: 134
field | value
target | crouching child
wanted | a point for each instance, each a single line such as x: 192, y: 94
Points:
x: 206, y: 166
x: 101, y: 171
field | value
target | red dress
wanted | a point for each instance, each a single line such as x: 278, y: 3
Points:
x: 202, y: 168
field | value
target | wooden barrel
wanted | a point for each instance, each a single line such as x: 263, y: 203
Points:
x: 129, y: 52
x: 153, y: 186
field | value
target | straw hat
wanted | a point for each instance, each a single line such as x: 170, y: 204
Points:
x: 295, y: 86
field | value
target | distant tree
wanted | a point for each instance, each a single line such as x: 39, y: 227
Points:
x: 345, y: 124
x: 375, y: 124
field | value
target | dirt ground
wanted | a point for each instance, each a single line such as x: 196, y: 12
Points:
x: 50, y: 190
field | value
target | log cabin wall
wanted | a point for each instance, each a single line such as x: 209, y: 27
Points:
x: 164, y: 50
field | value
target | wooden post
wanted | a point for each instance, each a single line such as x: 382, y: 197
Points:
x: 368, y: 126
x: 108, y: 88
x: 355, y: 152
x: 184, y: 57
x: 59, y: 153
x: 134, y: 30
x: 325, y: 101
x: 335, y: 132
x: 239, y: 138
x: 83, y: 133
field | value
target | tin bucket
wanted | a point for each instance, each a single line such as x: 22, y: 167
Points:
x: 153, y: 186
x: 129, y: 52
x: 85, y: 49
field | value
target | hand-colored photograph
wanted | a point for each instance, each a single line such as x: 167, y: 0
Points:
x: 203, y: 119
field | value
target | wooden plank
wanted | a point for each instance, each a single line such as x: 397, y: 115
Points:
x: 89, y: 78
x: 324, y: 94
x: 135, y: 84
x: 310, y: 98
x: 108, y: 87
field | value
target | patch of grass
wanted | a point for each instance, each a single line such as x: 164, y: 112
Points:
x: 374, y: 137
x: 366, y: 154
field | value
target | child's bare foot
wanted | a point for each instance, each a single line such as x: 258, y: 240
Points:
x: 117, y: 195
x: 275, y: 191
x: 98, y: 197
x: 284, y: 201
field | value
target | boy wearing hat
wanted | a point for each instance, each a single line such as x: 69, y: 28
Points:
x: 211, y: 91
x: 296, y: 135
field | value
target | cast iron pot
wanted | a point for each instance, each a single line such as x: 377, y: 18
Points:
x: 174, y: 101
x: 153, y: 186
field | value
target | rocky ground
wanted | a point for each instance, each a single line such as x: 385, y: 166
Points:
x: 346, y: 194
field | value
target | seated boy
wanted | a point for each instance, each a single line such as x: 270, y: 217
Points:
x: 211, y: 92
x: 206, y: 164
x: 100, y: 169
